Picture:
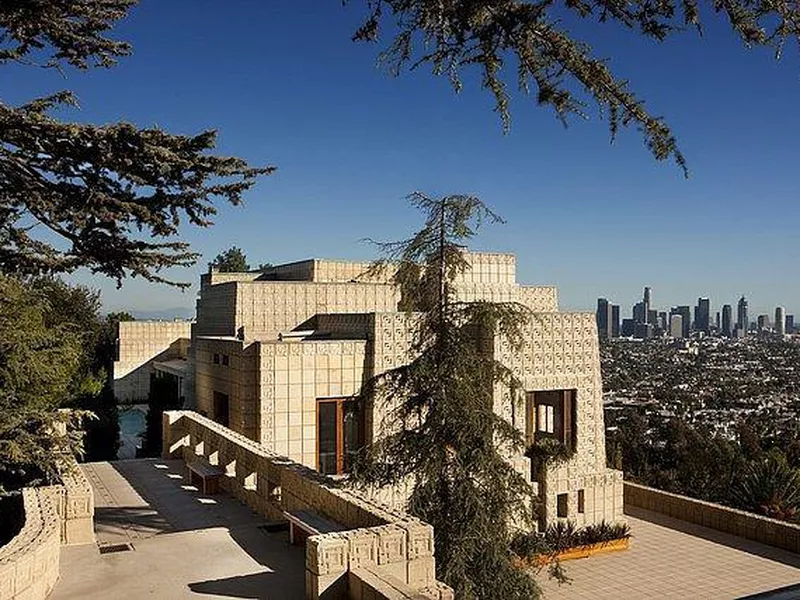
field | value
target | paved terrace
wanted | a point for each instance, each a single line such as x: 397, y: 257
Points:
x: 668, y: 558
x: 185, y: 544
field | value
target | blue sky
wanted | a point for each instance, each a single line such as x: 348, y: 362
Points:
x: 284, y: 85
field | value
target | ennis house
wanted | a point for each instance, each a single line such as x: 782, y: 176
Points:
x: 278, y: 356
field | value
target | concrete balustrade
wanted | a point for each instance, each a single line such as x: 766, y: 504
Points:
x: 54, y: 516
x: 396, y: 549
x: 750, y: 526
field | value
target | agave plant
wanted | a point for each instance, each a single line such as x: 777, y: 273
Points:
x: 769, y: 486
x: 603, y: 532
x: 562, y: 535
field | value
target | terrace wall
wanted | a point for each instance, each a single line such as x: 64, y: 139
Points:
x: 54, y: 516
x: 391, y: 544
x: 750, y: 526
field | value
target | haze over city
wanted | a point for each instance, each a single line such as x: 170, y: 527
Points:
x: 349, y: 142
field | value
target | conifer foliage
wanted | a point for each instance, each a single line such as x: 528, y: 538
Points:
x: 110, y: 198
x: 527, y: 42
x: 441, y: 431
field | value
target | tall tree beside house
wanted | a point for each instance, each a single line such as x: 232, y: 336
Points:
x: 163, y: 396
x: 109, y: 198
x: 40, y: 361
x: 442, y: 432
x: 233, y: 260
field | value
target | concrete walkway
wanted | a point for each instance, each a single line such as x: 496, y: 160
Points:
x: 182, y: 543
x: 674, y: 559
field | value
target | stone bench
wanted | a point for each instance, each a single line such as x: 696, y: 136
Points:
x: 208, y: 474
x: 303, y: 523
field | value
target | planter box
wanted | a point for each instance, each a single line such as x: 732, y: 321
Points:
x: 591, y: 550
x: 574, y: 553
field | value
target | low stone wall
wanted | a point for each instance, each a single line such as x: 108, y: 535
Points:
x: 365, y: 584
x: 54, y: 516
x: 29, y: 562
x: 387, y: 542
x: 750, y: 526
x: 76, y: 508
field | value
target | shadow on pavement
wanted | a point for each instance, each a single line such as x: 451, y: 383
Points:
x: 283, y: 579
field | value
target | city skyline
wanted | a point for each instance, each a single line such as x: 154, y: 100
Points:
x: 648, y: 320
x: 755, y: 308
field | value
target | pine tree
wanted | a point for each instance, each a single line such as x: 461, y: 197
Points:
x: 233, y: 260
x: 529, y: 43
x: 109, y: 198
x: 442, y: 432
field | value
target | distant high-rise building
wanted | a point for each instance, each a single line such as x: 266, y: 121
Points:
x: 702, y: 315
x: 603, y: 318
x: 652, y: 318
x: 717, y: 322
x: 628, y: 326
x: 615, y: 320
x: 742, y: 320
x: 639, y: 313
x: 727, y: 316
x: 663, y: 323
x: 763, y: 322
x: 647, y: 304
x: 643, y: 331
x: 686, y: 318
x: 675, y: 325
x: 780, y: 320
x: 789, y: 323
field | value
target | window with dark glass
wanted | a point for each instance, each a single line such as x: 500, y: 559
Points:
x: 216, y: 358
x: 339, y: 434
x: 581, y: 501
x: 551, y: 414
x: 225, y: 360
x: 562, y: 502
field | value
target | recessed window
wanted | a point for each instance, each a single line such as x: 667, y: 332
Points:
x: 562, y: 501
x: 216, y: 358
x: 551, y: 414
x: 225, y: 360
x: 581, y: 502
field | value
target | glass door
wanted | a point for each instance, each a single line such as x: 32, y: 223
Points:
x: 338, y: 435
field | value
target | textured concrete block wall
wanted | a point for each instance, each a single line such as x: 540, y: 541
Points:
x: 29, y: 563
x: 561, y: 352
x: 293, y: 377
x: 140, y: 343
x: 265, y: 309
x: 238, y: 380
x: 54, y: 516
x: 216, y: 310
x: 772, y: 532
x: 390, y: 542
x: 76, y: 508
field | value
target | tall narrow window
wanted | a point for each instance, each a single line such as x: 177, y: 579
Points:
x: 581, y: 501
x: 221, y: 408
x: 551, y: 414
x: 562, y: 502
x: 339, y: 435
